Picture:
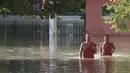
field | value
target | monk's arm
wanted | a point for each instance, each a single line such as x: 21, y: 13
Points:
x: 113, y: 48
x: 95, y: 48
x: 81, y: 50
x: 100, y: 49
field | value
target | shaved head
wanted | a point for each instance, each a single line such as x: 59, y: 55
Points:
x: 88, y: 36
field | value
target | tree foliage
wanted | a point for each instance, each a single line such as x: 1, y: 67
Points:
x: 121, y: 15
x: 33, y: 7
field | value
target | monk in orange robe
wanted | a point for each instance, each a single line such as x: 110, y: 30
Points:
x: 87, y: 48
x: 107, y: 48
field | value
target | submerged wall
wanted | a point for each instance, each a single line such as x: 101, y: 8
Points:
x: 22, y: 30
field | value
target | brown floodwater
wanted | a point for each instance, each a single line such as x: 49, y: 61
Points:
x: 65, y: 59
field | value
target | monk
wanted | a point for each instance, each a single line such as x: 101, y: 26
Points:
x: 87, y: 48
x: 107, y: 48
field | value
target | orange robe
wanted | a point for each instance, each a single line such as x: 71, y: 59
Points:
x: 89, y: 52
x: 107, y: 49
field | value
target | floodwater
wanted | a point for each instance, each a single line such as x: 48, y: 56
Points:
x: 65, y: 59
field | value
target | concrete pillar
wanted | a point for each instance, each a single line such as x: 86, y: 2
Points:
x: 52, y: 36
x: 52, y: 40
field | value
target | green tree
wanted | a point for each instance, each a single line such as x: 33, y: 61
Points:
x: 121, y: 15
x: 33, y: 7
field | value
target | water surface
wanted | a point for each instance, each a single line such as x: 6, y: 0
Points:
x: 65, y: 60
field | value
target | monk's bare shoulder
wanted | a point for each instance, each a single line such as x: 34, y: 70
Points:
x: 81, y: 46
x: 82, y: 43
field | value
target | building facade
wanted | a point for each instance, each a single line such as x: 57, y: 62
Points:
x: 94, y: 22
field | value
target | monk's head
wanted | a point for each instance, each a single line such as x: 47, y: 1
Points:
x: 106, y: 38
x: 88, y: 37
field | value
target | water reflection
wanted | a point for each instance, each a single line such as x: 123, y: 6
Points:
x: 39, y: 66
x: 86, y: 65
x: 106, y: 65
x: 103, y: 65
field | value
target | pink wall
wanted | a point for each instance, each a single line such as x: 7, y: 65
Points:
x: 94, y: 22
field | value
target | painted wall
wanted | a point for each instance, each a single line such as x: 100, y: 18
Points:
x: 94, y: 22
